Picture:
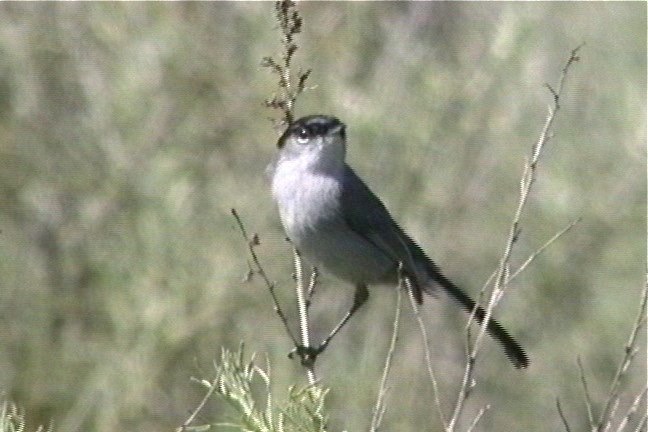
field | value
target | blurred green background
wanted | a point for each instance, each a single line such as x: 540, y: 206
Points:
x: 129, y: 130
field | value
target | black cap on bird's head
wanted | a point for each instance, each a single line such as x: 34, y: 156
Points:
x: 311, y: 126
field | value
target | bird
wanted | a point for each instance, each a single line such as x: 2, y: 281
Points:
x: 341, y: 227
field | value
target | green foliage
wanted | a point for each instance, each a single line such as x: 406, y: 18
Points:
x: 235, y: 379
x: 10, y: 419
x: 13, y: 420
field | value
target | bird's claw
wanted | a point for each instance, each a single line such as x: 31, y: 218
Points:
x: 307, y: 354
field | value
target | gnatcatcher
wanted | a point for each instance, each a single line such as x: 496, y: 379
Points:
x: 340, y: 226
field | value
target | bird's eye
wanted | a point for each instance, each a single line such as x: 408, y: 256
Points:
x: 303, y: 135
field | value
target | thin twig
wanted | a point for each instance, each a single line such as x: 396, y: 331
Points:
x: 630, y: 352
x: 562, y: 416
x: 605, y: 420
x: 251, y: 243
x: 633, y: 409
x: 380, y: 407
x: 464, y: 390
x: 290, y: 24
x: 471, y: 317
x: 613, y: 411
x: 478, y: 417
x: 642, y: 423
x: 502, y: 275
x: 542, y: 248
x: 586, y: 393
x: 428, y: 356
x: 212, y: 388
x: 307, y: 361
x: 526, y: 182
x: 516, y: 273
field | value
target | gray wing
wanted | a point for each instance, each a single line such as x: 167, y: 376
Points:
x: 368, y: 217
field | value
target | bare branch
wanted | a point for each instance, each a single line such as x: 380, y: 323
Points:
x: 629, y: 353
x: 633, y: 409
x: 502, y: 275
x: 251, y: 243
x: 478, y: 417
x: 562, y: 416
x: 428, y: 357
x: 642, y: 423
x: 380, y: 407
x: 586, y: 393
x: 308, y: 361
x: 526, y: 182
x: 290, y: 24
x: 213, y: 385
x: 542, y: 248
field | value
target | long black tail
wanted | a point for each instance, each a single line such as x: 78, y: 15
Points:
x: 512, y: 348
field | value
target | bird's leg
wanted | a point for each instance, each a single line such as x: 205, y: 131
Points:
x: 359, y: 298
x: 309, y: 354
